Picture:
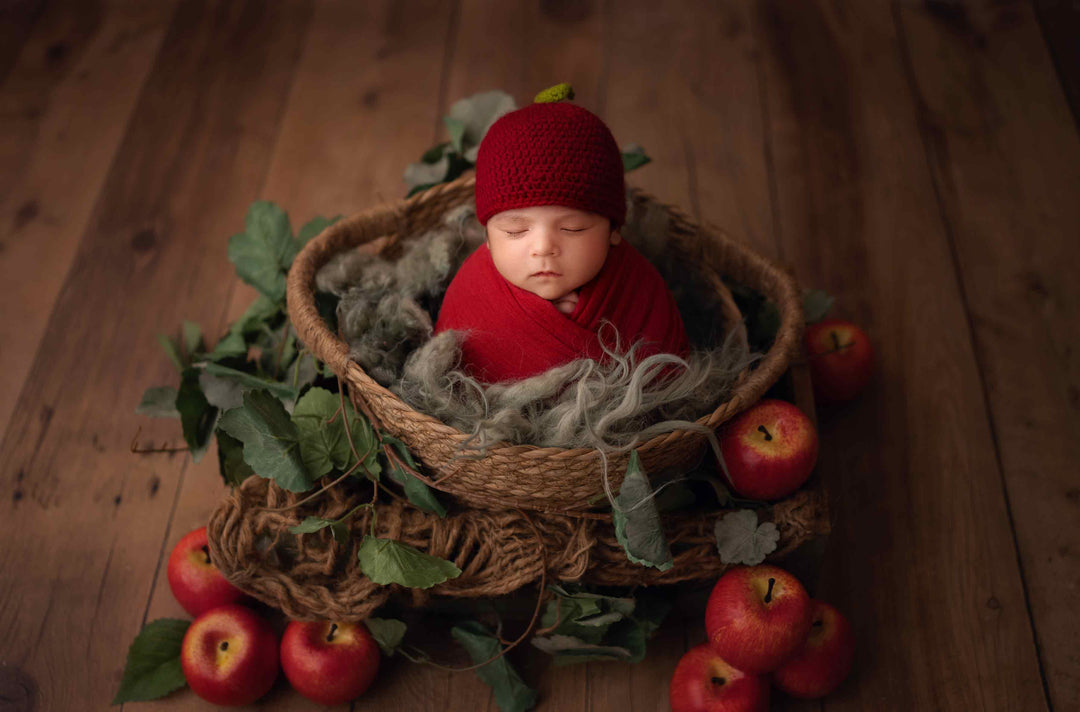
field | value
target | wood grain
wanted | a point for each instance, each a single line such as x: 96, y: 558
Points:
x: 86, y: 520
x: 1007, y: 183
x: 65, y: 107
x: 922, y: 555
x: 360, y: 107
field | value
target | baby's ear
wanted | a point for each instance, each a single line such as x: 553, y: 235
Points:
x: 616, y: 238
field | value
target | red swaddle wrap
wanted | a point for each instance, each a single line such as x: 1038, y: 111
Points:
x: 513, y: 334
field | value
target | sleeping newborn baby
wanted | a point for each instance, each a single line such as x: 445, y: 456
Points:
x: 554, y: 270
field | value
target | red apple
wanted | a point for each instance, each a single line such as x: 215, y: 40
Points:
x: 704, y: 682
x: 769, y: 450
x: 841, y: 359
x: 824, y: 659
x: 757, y: 617
x: 195, y: 582
x: 230, y: 656
x: 329, y: 663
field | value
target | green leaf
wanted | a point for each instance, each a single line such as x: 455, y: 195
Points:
x: 324, y: 445
x: 741, y: 540
x: 263, y: 252
x: 271, y: 440
x: 456, y: 129
x: 433, y: 154
x: 387, y: 632
x: 816, y: 305
x: 416, y: 490
x: 637, y: 521
x: 568, y: 650
x: 633, y: 157
x: 197, y: 417
x: 479, y: 111
x: 229, y: 346
x: 193, y: 338
x: 158, y: 403
x: 419, y: 176
x: 511, y: 692
x: 153, y: 662
x: 583, y: 615
x: 223, y: 393
x: 172, y: 350
x: 310, y: 525
x: 386, y: 561
x: 231, y: 459
x: 313, y: 227
x: 249, y: 382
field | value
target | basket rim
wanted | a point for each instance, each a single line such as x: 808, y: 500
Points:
x: 390, y: 220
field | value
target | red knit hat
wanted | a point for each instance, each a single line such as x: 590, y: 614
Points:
x: 550, y: 154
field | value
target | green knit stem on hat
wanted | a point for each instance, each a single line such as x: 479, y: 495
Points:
x: 559, y: 92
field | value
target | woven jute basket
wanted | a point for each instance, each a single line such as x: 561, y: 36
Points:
x: 522, y: 513
x: 537, y: 478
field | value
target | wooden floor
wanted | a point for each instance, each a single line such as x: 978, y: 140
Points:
x: 919, y: 162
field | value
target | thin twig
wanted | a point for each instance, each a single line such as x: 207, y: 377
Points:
x: 135, y: 448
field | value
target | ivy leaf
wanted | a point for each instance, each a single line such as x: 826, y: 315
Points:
x: 387, y: 632
x: 263, y: 252
x: 258, y: 318
x: 433, y: 154
x: 310, y: 525
x: 250, y: 382
x: 222, y: 393
x: 816, y: 305
x: 172, y: 350
x: 511, y: 692
x: 313, y: 227
x: 478, y: 112
x: 637, y: 521
x: 456, y: 129
x: 271, y: 440
x: 158, y: 403
x: 416, y: 490
x: 568, y: 650
x: 197, y: 417
x: 324, y: 445
x: 741, y: 540
x: 193, y: 338
x: 424, y: 175
x: 231, y: 459
x: 386, y: 561
x: 633, y: 157
x: 153, y: 662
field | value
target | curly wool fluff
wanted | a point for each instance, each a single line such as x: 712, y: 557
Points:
x: 613, y: 405
x: 385, y: 315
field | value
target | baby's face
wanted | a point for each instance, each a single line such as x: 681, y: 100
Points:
x: 549, y: 250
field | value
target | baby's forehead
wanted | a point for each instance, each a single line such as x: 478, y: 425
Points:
x: 541, y: 212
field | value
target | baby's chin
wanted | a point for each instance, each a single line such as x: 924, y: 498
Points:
x: 549, y: 292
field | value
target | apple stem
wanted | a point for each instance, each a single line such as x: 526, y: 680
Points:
x: 718, y: 681
x: 206, y: 551
x: 224, y: 645
x: 333, y: 629
x: 768, y: 435
x: 768, y: 594
x: 835, y: 340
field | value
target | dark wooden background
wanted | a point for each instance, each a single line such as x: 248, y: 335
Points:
x: 917, y: 161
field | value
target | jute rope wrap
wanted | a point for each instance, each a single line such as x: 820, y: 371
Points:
x: 309, y: 576
x: 525, y: 476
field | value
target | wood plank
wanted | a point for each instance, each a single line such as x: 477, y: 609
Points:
x: 522, y: 48
x: 85, y: 516
x: 1007, y: 182
x: 673, y: 71
x: 921, y: 554
x: 361, y: 106
x: 66, y: 102
x: 1060, y: 24
x: 17, y: 18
